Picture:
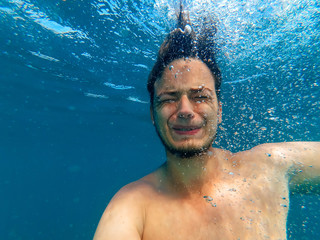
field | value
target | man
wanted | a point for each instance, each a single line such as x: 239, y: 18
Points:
x: 203, y: 192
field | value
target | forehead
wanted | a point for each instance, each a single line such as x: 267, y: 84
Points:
x: 183, y: 74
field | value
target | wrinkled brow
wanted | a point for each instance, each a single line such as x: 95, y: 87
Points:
x: 202, y: 89
x: 171, y: 93
x: 192, y: 91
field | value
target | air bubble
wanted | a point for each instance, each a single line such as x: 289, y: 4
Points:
x: 208, y: 198
x: 187, y: 29
x: 213, y: 204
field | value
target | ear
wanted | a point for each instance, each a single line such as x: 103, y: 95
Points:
x: 151, y: 114
x: 219, y: 112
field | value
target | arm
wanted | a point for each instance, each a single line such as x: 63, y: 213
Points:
x: 301, y: 160
x: 122, y: 219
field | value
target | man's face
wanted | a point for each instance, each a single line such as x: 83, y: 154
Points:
x: 185, y: 108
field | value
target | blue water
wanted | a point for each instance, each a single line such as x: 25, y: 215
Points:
x: 74, y: 121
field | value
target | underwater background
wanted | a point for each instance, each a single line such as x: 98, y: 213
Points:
x: 74, y: 113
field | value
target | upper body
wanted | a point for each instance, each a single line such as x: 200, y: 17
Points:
x: 214, y: 194
x: 245, y: 197
x: 201, y: 192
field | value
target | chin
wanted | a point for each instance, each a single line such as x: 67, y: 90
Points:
x: 187, y: 153
x: 188, y: 150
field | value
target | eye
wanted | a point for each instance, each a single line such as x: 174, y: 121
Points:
x: 201, y: 98
x: 165, y: 100
x: 168, y: 100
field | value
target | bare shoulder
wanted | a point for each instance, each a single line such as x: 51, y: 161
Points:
x: 286, y: 155
x: 124, y: 216
x: 299, y: 160
x: 268, y: 154
x: 286, y: 152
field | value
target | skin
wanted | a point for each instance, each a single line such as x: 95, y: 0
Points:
x: 214, y: 194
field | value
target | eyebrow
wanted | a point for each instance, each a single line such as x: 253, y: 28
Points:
x: 192, y: 90
x: 171, y: 93
x: 201, y: 89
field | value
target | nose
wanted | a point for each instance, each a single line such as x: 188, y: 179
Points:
x: 185, y: 108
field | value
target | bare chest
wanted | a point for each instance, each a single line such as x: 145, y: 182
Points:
x: 240, y: 209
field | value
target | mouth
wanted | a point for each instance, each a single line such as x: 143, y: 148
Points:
x: 186, y: 130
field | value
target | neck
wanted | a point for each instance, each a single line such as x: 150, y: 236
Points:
x: 191, y: 175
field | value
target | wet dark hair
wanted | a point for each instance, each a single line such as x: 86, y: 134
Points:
x: 183, y: 42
